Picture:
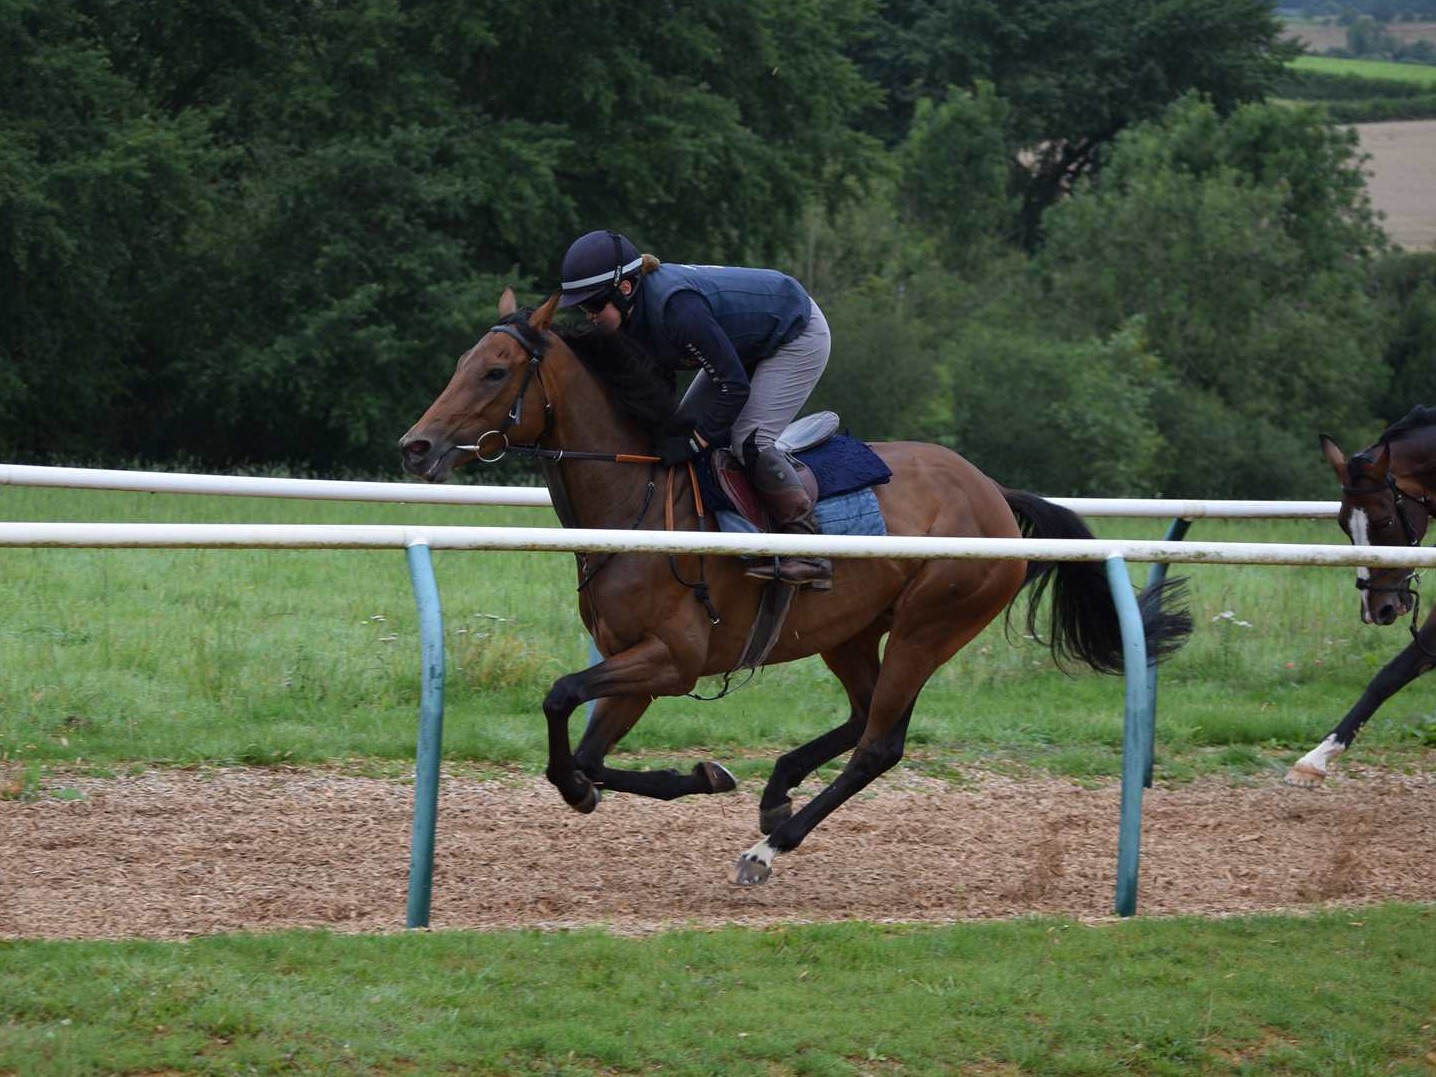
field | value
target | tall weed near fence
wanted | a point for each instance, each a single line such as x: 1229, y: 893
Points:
x: 115, y: 656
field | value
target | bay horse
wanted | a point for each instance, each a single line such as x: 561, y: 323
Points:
x: 1386, y: 492
x: 588, y: 406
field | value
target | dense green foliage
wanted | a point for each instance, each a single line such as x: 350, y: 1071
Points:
x: 260, y: 230
x: 1231, y: 242
x: 256, y: 234
x: 1076, y: 72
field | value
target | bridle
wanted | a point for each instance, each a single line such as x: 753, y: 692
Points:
x: 535, y: 344
x: 1406, y: 586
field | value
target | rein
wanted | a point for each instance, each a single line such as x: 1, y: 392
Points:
x: 552, y: 456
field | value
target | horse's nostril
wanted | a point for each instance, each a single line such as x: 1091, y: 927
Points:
x: 416, y: 447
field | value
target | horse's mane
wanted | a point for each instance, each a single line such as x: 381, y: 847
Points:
x: 1418, y: 418
x: 641, y: 388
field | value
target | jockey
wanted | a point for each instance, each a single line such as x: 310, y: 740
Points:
x: 759, y: 344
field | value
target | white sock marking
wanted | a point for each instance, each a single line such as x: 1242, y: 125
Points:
x: 1318, y: 758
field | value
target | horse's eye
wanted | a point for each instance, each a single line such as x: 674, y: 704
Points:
x: 497, y: 373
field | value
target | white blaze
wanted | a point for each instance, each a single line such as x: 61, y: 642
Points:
x: 1358, y: 524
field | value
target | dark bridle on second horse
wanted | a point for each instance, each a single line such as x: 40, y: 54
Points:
x: 1406, y: 585
x: 1376, y: 510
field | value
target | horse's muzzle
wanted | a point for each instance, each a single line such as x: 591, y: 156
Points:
x: 1385, y: 605
x: 1384, y: 614
x: 423, y: 458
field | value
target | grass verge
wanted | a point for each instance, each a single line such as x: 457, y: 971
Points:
x: 1340, y: 992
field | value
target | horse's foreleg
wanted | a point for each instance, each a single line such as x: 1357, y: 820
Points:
x: 612, y: 718
x: 643, y: 671
x: 575, y: 787
x: 1311, y: 769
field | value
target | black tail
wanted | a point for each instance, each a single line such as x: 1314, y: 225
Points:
x: 1084, y: 624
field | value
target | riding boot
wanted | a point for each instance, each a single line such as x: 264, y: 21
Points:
x: 790, y: 512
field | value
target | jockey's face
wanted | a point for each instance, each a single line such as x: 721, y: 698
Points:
x: 608, y: 318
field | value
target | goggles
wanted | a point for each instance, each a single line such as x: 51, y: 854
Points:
x: 596, y: 304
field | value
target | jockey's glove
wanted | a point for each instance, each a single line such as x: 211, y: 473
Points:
x: 676, y: 449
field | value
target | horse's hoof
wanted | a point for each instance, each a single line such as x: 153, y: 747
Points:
x: 719, y: 779
x: 750, y: 871
x: 1305, y: 777
x: 770, y: 819
x: 587, y: 800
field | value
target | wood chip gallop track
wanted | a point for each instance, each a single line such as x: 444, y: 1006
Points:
x: 176, y: 853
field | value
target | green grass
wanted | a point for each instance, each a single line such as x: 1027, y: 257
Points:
x: 230, y: 655
x: 109, y: 657
x: 1338, y: 993
x: 1371, y: 69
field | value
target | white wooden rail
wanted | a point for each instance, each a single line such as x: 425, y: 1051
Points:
x: 454, y: 494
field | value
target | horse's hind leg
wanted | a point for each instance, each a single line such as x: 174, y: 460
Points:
x: 872, y: 757
x: 878, y: 749
x: 612, y: 718
x: 922, y: 639
x: 855, y: 664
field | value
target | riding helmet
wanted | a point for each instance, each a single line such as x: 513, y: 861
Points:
x: 595, y: 263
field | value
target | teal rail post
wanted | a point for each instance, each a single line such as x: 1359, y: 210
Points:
x: 1136, y: 740
x: 1155, y: 578
x: 431, y: 734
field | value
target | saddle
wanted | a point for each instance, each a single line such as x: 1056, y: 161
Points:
x: 838, y: 472
x: 732, y: 479
x: 848, y: 472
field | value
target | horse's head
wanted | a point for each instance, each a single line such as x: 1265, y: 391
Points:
x: 489, y: 400
x: 1375, y: 512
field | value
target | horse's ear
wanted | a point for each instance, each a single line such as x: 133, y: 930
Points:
x: 1382, y: 463
x: 508, y: 303
x: 1335, y: 457
x: 542, y: 318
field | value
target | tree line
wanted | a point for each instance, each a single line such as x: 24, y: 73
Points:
x: 1074, y: 239
x: 1348, y: 11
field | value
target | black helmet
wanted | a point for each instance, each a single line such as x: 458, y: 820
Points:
x: 594, y: 264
